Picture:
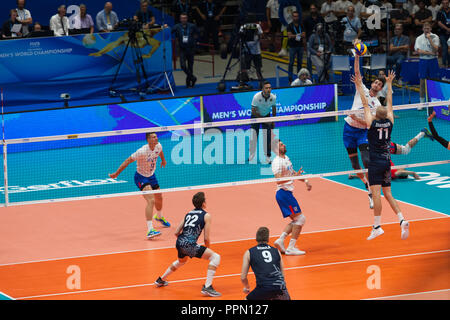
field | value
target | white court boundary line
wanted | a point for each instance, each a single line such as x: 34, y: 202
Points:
x: 237, y: 274
x: 219, y: 242
x: 409, y: 294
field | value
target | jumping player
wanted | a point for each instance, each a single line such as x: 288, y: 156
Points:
x: 267, y: 266
x: 355, y: 131
x: 145, y: 179
x: 187, y: 234
x: 379, y: 170
x: 438, y: 138
x: 282, y: 167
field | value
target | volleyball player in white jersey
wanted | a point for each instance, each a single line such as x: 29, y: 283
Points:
x: 355, y: 130
x: 145, y: 179
x: 282, y: 167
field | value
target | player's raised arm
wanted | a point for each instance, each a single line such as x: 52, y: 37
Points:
x: 390, y: 111
x: 244, y: 271
x: 359, y: 87
x: 356, y: 63
x: 121, y: 168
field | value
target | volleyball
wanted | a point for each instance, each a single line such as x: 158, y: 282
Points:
x: 360, y: 48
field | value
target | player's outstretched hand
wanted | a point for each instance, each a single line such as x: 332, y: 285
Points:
x: 300, y: 172
x: 430, y: 118
x: 356, y: 78
x: 390, y: 77
x: 163, y: 163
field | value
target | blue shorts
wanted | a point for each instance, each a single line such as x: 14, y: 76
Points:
x: 142, y: 182
x: 354, y: 137
x: 428, y: 68
x: 287, y: 203
x: 379, y: 173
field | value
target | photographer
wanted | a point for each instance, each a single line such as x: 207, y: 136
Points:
x: 251, y: 32
x: 187, y: 34
x: 144, y: 15
x: 320, y: 48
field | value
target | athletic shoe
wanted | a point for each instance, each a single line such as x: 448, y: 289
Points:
x: 163, y: 221
x: 160, y: 282
x: 153, y: 233
x: 283, y: 53
x: 427, y: 134
x: 210, y: 292
x: 279, y: 244
x: 370, y: 200
x: 268, y: 160
x: 294, y: 252
x: 405, y: 229
x: 375, y: 233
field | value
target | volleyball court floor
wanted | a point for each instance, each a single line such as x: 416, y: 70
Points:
x: 104, y: 240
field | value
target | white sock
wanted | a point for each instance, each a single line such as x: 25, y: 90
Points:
x: 209, y: 277
x: 292, y: 243
x: 167, y: 273
x: 283, y: 236
x: 150, y: 224
x: 400, y: 217
x: 377, y: 221
x: 419, y: 136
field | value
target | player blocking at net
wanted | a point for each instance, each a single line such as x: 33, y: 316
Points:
x: 379, y: 136
x: 187, y: 233
x: 145, y: 179
x: 355, y: 131
x: 282, y: 167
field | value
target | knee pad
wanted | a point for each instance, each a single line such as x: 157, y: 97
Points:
x: 299, y: 220
x: 214, y: 260
x: 355, y: 162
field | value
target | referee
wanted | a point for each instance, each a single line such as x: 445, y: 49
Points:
x: 262, y: 104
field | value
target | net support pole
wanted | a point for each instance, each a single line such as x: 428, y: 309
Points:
x: 5, y: 173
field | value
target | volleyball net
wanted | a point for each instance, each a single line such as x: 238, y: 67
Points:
x: 199, y: 155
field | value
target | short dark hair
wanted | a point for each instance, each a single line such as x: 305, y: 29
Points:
x: 382, y: 79
x: 262, y: 235
x: 198, y: 199
x: 266, y: 82
x: 148, y: 134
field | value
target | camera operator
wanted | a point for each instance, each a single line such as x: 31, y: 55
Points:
x: 144, y: 15
x: 320, y: 48
x: 251, y: 32
x: 187, y: 34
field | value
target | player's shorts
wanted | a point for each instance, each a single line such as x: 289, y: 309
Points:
x: 379, y: 173
x: 428, y: 68
x: 142, y: 182
x: 261, y: 293
x: 192, y: 250
x: 354, y: 137
x: 287, y: 203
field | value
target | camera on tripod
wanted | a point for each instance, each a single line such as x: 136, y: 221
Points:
x: 131, y: 25
x: 248, y: 32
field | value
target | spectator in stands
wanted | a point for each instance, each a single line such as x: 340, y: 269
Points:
x: 385, y: 7
x: 8, y: 25
x: 398, y: 49
x: 107, y: 20
x: 273, y: 21
x: 210, y: 12
x: 427, y: 46
x: 401, y: 15
x: 144, y: 15
x: 310, y: 23
x: 23, y: 16
x: 59, y: 23
x: 179, y: 7
x: 360, y: 9
x: 37, y: 27
x: 443, y: 22
x: 342, y: 7
x: 411, y: 7
x: 252, y: 49
x: 352, y: 27
x: 187, y: 34
x: 434, y: 7
x: 327, y: 11
x: 303, y: 78
x: 83, y: 20
x: 422, y: 16
x: 297, y: 43
x: 320, y: 48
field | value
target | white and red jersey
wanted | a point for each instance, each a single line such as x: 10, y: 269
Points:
x: 357, y: 105
x: 146, y: 159
x: 284, y: 167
